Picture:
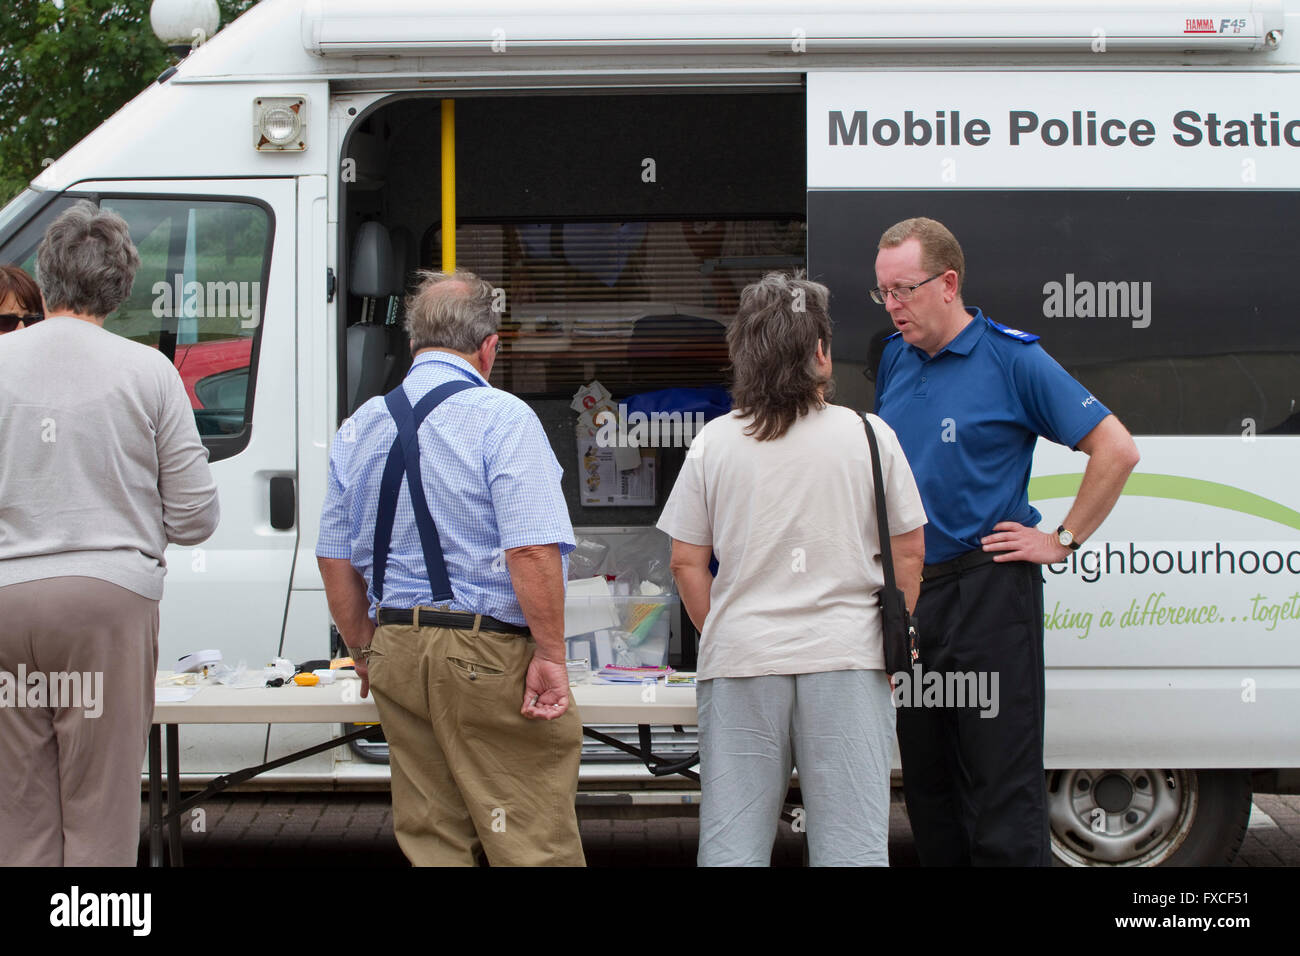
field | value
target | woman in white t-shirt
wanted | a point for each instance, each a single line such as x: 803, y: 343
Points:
x: 791, y: 667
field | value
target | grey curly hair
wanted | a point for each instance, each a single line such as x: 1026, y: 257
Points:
x: 86, y: 262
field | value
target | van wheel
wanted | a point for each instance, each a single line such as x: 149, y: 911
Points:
x: 1147, y: 817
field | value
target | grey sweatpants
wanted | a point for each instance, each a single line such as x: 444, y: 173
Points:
x: 70, y: 753
x: 836, y: 727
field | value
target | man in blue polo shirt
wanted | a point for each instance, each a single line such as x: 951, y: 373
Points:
x: 443, y: 548
x: 968, y: 399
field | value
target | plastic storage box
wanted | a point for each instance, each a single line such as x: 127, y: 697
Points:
x: 624, y: 630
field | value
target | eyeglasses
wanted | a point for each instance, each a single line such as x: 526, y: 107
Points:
x: 903, y: 293
x: 9, y: 320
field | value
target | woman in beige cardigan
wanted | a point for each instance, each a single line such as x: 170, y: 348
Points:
x: 101, y: 467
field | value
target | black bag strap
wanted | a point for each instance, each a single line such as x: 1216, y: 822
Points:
x: 882, y: 515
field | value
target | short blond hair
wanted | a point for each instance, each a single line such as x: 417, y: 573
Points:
x: 940, y: 250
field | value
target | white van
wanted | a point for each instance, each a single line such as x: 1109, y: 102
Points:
x: 1123, y: 177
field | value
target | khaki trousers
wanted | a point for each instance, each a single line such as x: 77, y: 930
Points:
x: 471, y: 775
x: 70, y: 777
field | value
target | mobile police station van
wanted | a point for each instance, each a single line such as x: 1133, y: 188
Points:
x: 1124, y: 178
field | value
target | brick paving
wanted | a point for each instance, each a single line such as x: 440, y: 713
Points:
x: 1273, y: 845
x: 356, y: 829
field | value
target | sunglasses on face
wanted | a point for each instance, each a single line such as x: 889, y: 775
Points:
x: 9, y: 320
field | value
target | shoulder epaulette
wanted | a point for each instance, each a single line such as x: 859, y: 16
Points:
x: 1011, y: 333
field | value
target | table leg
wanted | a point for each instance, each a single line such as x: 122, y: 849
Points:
x: 155, y: 796
x: 174, y: 795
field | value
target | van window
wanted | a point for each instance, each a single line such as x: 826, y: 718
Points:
x: 23, y: 223
x: 17, y: 210
x: 1173, y: 307
x: 619, y: 228
x: 198, y: 297
x: 637, y: 306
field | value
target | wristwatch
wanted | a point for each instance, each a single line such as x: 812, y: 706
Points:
x: 359, y: 653
x: 1067, y: 538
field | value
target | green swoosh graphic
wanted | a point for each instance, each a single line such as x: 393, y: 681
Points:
x: 1177, y: 488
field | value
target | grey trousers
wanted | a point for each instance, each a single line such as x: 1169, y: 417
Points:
x: 836, y: 727
x: 71, y: 753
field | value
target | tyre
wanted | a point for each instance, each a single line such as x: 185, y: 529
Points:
x: 1147, y: 817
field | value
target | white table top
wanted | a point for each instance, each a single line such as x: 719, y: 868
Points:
x: 326, y: 704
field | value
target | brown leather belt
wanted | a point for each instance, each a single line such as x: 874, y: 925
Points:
x: 456, y: 619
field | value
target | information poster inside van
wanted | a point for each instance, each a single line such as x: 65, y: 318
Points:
x: 604, y: 485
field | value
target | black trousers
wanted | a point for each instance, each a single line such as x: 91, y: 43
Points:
x: 975, y: 789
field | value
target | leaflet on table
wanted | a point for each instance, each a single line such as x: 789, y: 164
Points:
x: 612, y: 674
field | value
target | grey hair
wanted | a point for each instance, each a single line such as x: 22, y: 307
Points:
x: 451, y: 310
x: 86, y: 262
x: 773, y: 345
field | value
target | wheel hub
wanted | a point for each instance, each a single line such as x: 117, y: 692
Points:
x: 1119, y: 817
x: 1113, y: 793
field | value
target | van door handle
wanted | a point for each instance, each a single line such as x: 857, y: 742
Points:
x: 283, y: 506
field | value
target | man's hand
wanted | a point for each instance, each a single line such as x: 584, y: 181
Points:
x: 1112, y: 456
x: 364, y: 639
x: 1018, y: 543
x: 546, y: 689
x: 345, y: 590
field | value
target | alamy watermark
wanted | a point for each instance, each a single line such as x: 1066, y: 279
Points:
x: 1086, y: 299
x: 642, y: 430
x: 77, y: 909
x: 58, y: 689
x: 207, y: 300
x: 956, y: 689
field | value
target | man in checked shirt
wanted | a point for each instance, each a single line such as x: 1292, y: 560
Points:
x: 465, y: 655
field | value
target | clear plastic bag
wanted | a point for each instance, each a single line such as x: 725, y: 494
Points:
x: 636, y: 560
x: 587, y: 558
x: 238, y: 677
